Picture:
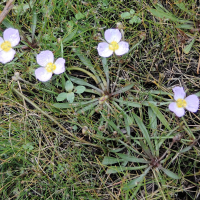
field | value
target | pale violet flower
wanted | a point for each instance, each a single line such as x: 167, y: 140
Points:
x: 46, y: 60
x: 190, y: 103
x: 10, y: 39
x: 113, y: 44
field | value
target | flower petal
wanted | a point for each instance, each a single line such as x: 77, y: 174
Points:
x: 113, y: 35
x: 192, y: 103
x: 42, y: 74
x: 11, y: 35
x: 103, y: 49
x: 179, y: 93
x: 123, y: 48
x: 60, y: 66
x: 178, y: 111
x: 7, y: 56
x: 45, y: 57
x: 1, y: 41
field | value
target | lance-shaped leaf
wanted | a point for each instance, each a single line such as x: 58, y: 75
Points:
x: 144, y: 131
x: 132, y: 158
x: 153, y: 124
x: 146, y: 149
x: 34, y: 22
x: 110, y: 160
x: 169, y: 173
x: 82, y: 82
x: 188, y: 47
x: 128, y: 103
x: 147, y: 103
x: 75, y: 104
x: 70, y: 36
x: 87, y: 107
x: 136, y: 181
x: 106, y: 70
x: 160, y: 116
x: 88, y: 64
x: 113, y: 170
x: 166, y: 15
x: 124, y: 89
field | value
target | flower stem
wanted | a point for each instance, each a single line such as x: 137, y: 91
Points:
x: 85, y: 71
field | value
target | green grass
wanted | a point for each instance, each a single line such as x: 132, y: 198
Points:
x: 44, y: 151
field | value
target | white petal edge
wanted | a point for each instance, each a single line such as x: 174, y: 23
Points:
x: 1, y: 41
x: 42, y: 74
x: 112, y: 35
x: 123, y: 48
x: 179, y: 93
x: 192, y: 103
x: 60, y: 66
x: 103, y: 50
x: 178, y: 111
x: 6, y: 57
x: 11, y: 35
x: 45, y: 57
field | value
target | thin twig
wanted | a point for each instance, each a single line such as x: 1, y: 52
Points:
x: 6, y: 10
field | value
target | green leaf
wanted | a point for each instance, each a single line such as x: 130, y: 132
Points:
x: 69, y: 86
x: 110, y: 160
x: 88, y: 64
x: 34, y: 22
x: 62, y: 96
x: 105, y: 68
x: 126, y: 15
x: 88, y: 107
x: 85, y: 60
x: 135, y: 19
x: 28, y: 146
x: 136, y: 181
x: 188, y: 47
x: 185, y: 26
x: 114, y: 169
x: 160, y: 116
x: 147, y: 103
x: 117, y: 150
x: 132, y: 11
x: 166, y: 15
x: 124, y: 89
x: 185, y: 149
x: 70, y: 36
x: 144, y: 131
x: 82, y: 82
x: 79, y: 15
x: 70, y: 97
x: 128, y: 103
x: 153, y: 124
x: 132, y: 158
x: 146, y: 149
x: 181, y: 5
x: 79, y: 89
x: 169, y: 173
x: 75, y: 104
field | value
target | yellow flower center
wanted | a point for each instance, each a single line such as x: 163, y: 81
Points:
x: 181, y: 103
x: 113, y: 46
x: 50, y: 67
x: 6, y: 46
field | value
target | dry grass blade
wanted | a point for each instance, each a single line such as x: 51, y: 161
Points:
x: 6, y: 10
